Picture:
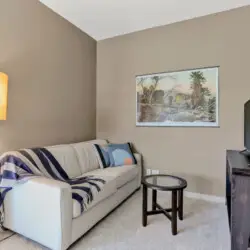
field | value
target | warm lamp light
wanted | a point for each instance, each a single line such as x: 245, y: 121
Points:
x: 3, y: 95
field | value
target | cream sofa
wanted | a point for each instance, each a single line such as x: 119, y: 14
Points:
x: 43, y: 210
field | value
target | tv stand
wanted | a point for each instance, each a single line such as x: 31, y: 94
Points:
x: 238, y: 197
x: 245, y: 152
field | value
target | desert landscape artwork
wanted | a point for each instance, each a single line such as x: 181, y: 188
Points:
x: 183, y: 98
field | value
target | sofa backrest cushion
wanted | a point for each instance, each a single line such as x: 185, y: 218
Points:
x: 66, y: 156
x: 86, y: 154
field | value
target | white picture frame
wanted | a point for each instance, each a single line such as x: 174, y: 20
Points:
x: 185, y: 98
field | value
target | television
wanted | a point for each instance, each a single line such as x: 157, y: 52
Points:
x: 247, y: 126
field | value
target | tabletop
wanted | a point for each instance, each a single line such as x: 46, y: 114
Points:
x: 164, y: 182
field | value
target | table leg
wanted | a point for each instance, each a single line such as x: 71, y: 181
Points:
x: 154, y: 199
x: 180, y: 204
x: 174, y: 212
x: 144, y: 205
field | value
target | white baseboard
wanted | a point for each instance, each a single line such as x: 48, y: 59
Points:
x: 205, y: 197
x: 198, y: 196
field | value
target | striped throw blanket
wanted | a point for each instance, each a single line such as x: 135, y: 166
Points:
x: 20, y: 166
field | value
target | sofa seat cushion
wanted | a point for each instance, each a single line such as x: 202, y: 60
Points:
x: 108, y: 189
x: 121, y: 175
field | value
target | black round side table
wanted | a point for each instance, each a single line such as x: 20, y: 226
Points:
x: 163, y: 183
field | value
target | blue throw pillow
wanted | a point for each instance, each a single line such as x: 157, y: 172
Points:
x: 120, y: 154
x: 103, y: 155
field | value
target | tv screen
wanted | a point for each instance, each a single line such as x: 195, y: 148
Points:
x: 247, y: 125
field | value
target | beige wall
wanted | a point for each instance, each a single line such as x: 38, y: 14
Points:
x: 195, y: 153
x: 52, y: 69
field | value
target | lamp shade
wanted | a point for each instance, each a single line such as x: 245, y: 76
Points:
x: 3, y: 95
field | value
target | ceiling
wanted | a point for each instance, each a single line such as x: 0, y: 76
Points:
x: 103, y: 19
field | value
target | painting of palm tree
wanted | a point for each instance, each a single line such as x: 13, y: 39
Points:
x: 183, y: 98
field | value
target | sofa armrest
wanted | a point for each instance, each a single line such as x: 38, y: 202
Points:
x: 41, y: 209
x: 138, y: 158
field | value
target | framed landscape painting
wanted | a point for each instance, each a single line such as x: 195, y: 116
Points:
x: 182, y: 98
